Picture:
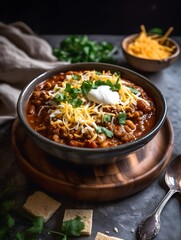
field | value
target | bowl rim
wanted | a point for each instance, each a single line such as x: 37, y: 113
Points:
x: 133, y: 37
x: 66, y: 148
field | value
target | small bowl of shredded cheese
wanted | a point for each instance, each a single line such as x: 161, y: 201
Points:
x: 150, y: 52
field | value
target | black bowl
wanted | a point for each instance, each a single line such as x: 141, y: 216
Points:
x: 90, y: 156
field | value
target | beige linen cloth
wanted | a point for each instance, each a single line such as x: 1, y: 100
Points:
x: 23, y: 56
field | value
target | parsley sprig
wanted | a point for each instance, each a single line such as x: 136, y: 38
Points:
x: 72, y: 228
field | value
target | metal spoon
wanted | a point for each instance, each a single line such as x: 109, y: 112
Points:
x: 150, y: 227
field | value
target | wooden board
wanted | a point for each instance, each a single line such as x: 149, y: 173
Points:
x: 100, y: 183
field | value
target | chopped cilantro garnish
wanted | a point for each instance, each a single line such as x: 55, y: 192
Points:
x: 71, y: 96
x: 73, y: 92
x: 68, y: 87
x: 133, y: 90
x: 113, y: 86
x: 98, y: 73
x: 86, y: 86
x: 116, y: 86
x: 122, y: 118
x: 59, y: 97
x: 104, y: 130
x: 98, y: 83
x: 75, y: 102
x: 106, y: 118
x: 76, y: 76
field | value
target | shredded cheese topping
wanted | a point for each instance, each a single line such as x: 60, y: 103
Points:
x: 76, y: 112
x: 151, y: 46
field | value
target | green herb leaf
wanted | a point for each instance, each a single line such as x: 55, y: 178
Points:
x: 68, y: 87
x: 106, y: 118
x: 86, y: 86
x: 64, y: 237
x: 99, y: 83
x: 122, y: 118
x: 81, y: 49
x: 133, y: 90
x: 104, y: 130
x: 75, y: 102
x: 76, y: 76
x: 98, y: 73
x: 38, y: 225
x: 116, y: 86
x: 73, y: 92
x: 113, y: 86
x: 59, y: 97
x: 156, y: 30
x: 33, y: 231
x: 10, y: 221
x: 72, y: 228
x: 6, y: 224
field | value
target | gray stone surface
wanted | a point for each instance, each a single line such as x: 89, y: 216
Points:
x: 124, y: 214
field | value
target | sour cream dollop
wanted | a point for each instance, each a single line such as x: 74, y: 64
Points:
x: 103, y: 94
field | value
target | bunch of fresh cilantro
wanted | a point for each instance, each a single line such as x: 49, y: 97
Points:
x: 31, y: 227
x: 76, y: 48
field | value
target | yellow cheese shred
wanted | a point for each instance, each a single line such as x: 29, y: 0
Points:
x: 151, y: 46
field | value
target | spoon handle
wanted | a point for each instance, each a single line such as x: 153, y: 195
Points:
x: 150, y: 227
x: 163, y: 202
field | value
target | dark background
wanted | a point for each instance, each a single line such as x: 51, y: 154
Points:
x: 115, y: 17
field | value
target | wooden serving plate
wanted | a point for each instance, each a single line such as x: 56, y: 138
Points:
x: 100, y: 183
